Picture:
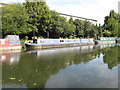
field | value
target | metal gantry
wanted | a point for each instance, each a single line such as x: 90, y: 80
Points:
x: 78, y: 17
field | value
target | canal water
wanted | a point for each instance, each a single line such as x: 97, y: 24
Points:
x: 70, y: 67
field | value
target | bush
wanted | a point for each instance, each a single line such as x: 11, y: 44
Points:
x: 26, y: 37
x: 107, y: 33
x: 72, y: 37
x: 22, y: 41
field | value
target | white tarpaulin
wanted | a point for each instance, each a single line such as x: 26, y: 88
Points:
x: 13, y: 39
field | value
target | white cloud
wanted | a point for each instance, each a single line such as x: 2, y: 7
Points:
x: 98, y: 9
x: 12, y: 1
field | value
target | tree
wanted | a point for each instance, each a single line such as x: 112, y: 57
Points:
x: 14, y: 20
x: 119, y: 25
x: 56, y: 25
x: 79, y: 31
x: 39, y: 16
x: 0, y: 23
x: 71, y: 25
x: 66, y: 27
x: 111, y: 23
x: 93, y: 30
x: 87, y: 28
x: 100, y: 31
x: 59, y: 26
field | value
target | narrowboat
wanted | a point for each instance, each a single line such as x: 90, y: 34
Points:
x: 50, y: 43
x: 10, y: 42
x: 105, y: 40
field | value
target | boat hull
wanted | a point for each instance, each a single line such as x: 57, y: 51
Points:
x: 30, y: 46
x: 103, y: 42
x: 4, y: 48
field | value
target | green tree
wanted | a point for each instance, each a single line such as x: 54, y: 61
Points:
x: 93, y: 30
x: 111, y: 23
x: 56, y: 25
x: 0, y: 23
x: 67, y: 27
x: 79, y: 31
x: 39, y: 16
x: 100, y: 31
x: 71, y: 25
x: 87, y: 28
x: 119, y: 25
x: 14, y: 20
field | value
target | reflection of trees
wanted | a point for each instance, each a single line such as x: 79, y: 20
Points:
x: 35, y: 71
x: 111, y: 56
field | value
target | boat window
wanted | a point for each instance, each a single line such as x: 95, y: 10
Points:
x: 61, y: 40
x: 34, y: 40
x: 41, y: 41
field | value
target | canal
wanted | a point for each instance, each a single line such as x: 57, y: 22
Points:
x: 69, y: 67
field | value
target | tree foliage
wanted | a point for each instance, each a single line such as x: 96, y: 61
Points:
x: 14, y: 20
x: 79, y: 27
x: 111, y: 23
x: 39, y: 16
x: 35, y: 18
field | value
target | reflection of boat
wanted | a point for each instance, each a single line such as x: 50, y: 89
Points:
x: 49, y: 43
x: 118, y: 44
x: 10, y: 42
x: 81, y: 49
x: 55, y: 51
x: 11, y: 56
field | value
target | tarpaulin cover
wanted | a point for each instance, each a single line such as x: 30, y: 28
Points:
x: 13, y: 39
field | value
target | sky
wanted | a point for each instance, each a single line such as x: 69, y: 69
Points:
x: 92, y: 9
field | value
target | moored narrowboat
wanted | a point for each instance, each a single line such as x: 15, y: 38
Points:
x: 50, y: 43
x: 105, y: 40
x: 10, y: 42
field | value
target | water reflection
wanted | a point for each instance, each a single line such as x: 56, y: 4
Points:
x: 91, y: 75
x: 10, y: 56
x: 88, y: 66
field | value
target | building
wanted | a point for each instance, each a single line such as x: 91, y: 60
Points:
x: 2, y: 4
x: 119, y: 7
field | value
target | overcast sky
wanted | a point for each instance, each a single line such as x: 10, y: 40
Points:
x: 92, y: 9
